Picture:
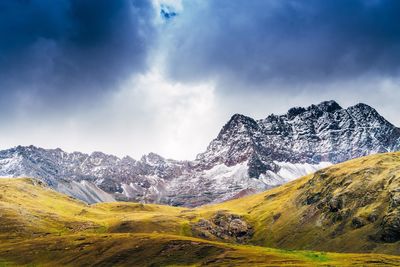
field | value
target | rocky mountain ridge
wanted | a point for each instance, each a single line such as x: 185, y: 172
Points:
x: 247, y: 156
x: 323, y: 132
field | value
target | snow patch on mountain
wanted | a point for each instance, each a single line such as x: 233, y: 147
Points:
x: 247, y: 156
x: 290, y: 171
x: 152, y: 191
x: 217, y: 184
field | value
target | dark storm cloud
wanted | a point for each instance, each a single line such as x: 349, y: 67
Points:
x: 57, y: 51
x: 299, y: 41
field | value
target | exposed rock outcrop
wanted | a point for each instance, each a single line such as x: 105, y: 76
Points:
x: 224, y: 226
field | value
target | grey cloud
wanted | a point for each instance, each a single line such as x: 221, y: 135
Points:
x: 65, y: 51
x: 292, y: 41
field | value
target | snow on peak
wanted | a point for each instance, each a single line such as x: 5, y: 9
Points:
x: 247, y: 156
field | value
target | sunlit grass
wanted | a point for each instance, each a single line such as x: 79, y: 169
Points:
x: 43, y: 227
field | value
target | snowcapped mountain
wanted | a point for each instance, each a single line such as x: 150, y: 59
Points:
x: 320, y: 133
x: 247, y: 156
x: 93, y: 178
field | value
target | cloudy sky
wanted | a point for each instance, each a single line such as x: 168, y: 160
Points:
x: 132, y: 76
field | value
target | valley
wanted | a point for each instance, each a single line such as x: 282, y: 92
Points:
x: 188, y: 133
x: 351, y: 207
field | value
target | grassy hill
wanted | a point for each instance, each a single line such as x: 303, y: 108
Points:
x: 166, y: 250
x: 350, y: 207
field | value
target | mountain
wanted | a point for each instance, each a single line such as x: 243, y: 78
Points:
x: 349, y: 207
x: 97, y: 177
x: 352, y: 207
x: 319, y: 133
x: 254, y: 155
x: 246, y: 157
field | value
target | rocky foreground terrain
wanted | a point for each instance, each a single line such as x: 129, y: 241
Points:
x: 246, y: 157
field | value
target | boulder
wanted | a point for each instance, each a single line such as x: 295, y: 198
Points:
x: 224, y: 226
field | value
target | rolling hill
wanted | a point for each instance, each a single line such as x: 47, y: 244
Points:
x: 352, y: 207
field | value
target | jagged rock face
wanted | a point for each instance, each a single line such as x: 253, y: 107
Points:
x: 93, y: 178
x: 247, y: 156
x: 324, y: 132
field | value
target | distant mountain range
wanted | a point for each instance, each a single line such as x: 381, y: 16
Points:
x: 248, y: 156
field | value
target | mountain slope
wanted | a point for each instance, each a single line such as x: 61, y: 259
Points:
x: 97, y: 177
x: 349, y: 207
x: 248, y: 156
x: 36, y: 220
x: 167, y: 250
x: 259, y: 154
x: 323, y: 132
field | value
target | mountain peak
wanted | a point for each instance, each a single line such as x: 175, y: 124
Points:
x: 240, y: 118
x: 362, y: 106
x: 293, y: 112
x: 325, y: 106
x: 364, y: 109
x: 98, y: 154
x: 26, y: 149
x: 30, y: 147
x: 304, y: 139
x: 238, y: 123
x: 152, y: 158
x: 329, y: 106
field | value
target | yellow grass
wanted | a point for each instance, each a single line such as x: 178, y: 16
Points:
x: 41, y: 226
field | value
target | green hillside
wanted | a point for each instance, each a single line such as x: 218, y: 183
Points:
x: 353, y: 207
